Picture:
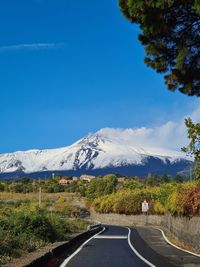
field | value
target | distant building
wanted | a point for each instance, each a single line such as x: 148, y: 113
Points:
x: 74, y: 178
x: 121, y: 179
x: 65, y: 182
x: 149, y: 175
x: 87, y: 178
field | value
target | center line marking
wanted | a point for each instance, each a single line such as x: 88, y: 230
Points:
x: 111, y: 237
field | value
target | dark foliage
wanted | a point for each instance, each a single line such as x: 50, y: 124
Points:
x: 171, y: 37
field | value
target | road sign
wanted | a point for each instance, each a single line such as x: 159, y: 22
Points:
x: 145, y: 206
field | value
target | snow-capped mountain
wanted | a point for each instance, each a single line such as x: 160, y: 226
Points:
x: 108, y: 150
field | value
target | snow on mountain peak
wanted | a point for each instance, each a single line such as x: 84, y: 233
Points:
x: 107, y: 147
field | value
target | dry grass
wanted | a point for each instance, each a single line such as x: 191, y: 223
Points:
x: 33, y: 197
x: 177, y: 242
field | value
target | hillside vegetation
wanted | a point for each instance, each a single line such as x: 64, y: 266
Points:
x: 25, y: 227
x: 181, y: 199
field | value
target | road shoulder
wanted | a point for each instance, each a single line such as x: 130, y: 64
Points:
x: 150, y: 242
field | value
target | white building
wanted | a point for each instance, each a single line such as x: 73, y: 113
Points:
x: 87, y: 178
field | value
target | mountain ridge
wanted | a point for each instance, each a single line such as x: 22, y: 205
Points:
x: 107, y: 149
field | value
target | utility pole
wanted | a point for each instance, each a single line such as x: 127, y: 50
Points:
x: 40, y: 196
x: 190, y: 174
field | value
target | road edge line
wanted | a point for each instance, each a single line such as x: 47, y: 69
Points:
x: 136, y: 252
x: 169, y: 242
x: 79, y: 249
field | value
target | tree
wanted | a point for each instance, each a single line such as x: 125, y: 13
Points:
x: 164, y: 178
x: 178, y: 178
x: 16, y: 187
x: 193, y: 149
x: 152, y: 180
x: 101, y: 186
x: 133, y: 183
x: 2, y: 187
x: 25, y: 180
x: 170, y: 35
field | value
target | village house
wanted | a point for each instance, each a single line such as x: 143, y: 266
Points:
x: 87, y: 178
x: 121, y: 180
x: 65, y: 182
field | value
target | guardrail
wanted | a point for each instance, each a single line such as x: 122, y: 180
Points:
x: 56, y: 256
x: 94, y: 226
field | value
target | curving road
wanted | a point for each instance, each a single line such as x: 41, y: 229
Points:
x: 123, y: 247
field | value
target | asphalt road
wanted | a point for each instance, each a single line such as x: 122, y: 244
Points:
x: 150, y: 243
x: 119, y: 247
x: 110, y: 249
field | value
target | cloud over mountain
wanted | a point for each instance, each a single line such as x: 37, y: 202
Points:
x: 170, y: 135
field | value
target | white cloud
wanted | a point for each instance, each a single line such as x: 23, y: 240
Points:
x: 33, y: 46
x: 172, y: 135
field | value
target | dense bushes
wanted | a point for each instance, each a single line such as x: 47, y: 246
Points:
x: 97, y: 187
x: 26, y: 185
x: 174, y: 198
x: 191, y: 204
x: 26, y: 230
x: 101, y: 186
x: 24, y: 227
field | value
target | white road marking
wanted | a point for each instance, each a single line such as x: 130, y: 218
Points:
x: 79, y: 249
x: 136, y: 252
x: 111, y: 237
x: 167, y: 240
x: 118, y: 237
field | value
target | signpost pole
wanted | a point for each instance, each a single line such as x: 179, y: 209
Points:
x: 145, y: 208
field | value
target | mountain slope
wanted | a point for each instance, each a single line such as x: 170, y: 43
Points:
x: 96, y: 153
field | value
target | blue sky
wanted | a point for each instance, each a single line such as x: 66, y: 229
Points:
x: 72, y: 67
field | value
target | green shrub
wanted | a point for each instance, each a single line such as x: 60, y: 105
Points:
x: 27, y: 228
